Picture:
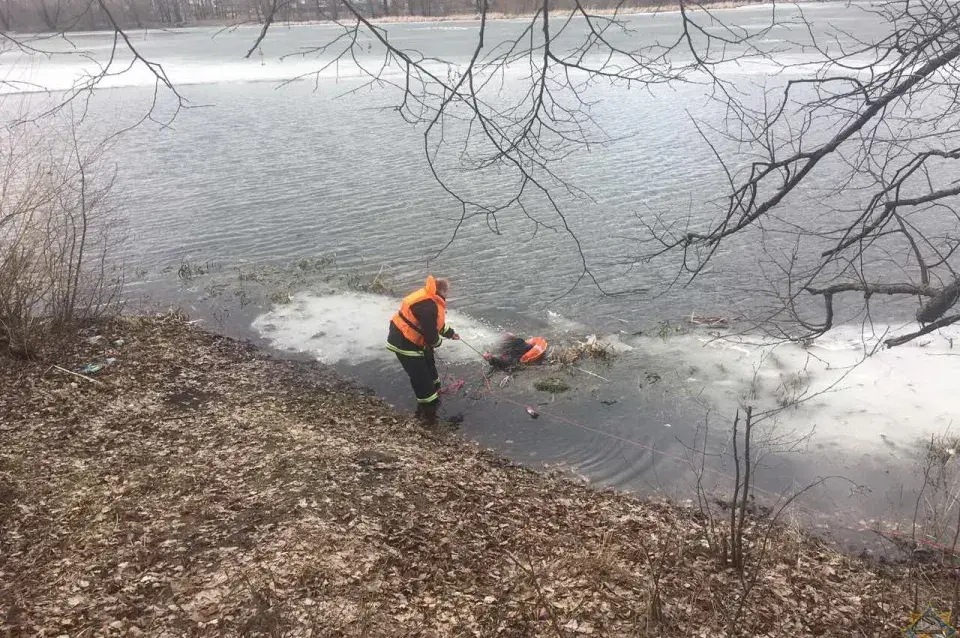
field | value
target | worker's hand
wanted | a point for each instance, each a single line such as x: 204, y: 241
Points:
x: 455, y: 336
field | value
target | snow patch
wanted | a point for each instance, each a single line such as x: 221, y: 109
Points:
x: 894, y: 397
x: 352, y: 327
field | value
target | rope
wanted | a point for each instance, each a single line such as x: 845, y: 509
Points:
x: 459, y: 383
x: 469, y: 346
x: 451, y: 388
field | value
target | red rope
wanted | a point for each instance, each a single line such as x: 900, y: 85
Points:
x: 453, y: 387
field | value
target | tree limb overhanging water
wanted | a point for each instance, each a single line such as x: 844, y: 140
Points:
x: 875, y: 120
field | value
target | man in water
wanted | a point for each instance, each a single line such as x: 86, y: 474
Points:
x: 512, y: 348
x: 415, y: 330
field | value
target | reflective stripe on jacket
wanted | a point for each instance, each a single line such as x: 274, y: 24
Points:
x: 420, y: 322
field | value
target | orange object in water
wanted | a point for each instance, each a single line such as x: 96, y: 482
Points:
x: 533, y: 354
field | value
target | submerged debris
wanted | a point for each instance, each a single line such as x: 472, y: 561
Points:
x: 710, y: 322
x: 552, y: 385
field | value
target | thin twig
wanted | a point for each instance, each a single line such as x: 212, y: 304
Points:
x: 77, y: 374
x: 592, y: 374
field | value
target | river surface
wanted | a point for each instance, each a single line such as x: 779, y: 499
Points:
x: 259, y: 173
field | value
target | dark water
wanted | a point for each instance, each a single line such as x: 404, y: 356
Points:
x: 263, y: 173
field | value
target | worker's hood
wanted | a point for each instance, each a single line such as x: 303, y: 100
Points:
x: 431, y: 285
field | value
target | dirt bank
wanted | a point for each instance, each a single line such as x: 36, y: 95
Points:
x: 198, y: 487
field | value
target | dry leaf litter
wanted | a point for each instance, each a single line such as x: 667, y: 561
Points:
x: 201, y: 488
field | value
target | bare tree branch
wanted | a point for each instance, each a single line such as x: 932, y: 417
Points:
x: 275, y: 5
x: 932, y: 327
x: 855, y: 162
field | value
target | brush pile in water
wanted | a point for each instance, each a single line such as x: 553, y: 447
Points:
x: 592, y: 348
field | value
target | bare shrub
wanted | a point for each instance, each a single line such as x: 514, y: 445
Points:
x: 57, y: 232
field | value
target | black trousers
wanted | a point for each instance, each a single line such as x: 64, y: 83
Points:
x: 423, y: 376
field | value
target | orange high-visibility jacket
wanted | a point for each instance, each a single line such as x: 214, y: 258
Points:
x: 409, y: 325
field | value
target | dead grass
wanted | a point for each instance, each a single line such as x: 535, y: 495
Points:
x: 552, y: 385
x: 590, y: 349
x: 203, y: 489
x: 943, y: 448
x: 58, y: 230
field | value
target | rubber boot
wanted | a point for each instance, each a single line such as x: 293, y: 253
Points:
x: 428, y: 412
